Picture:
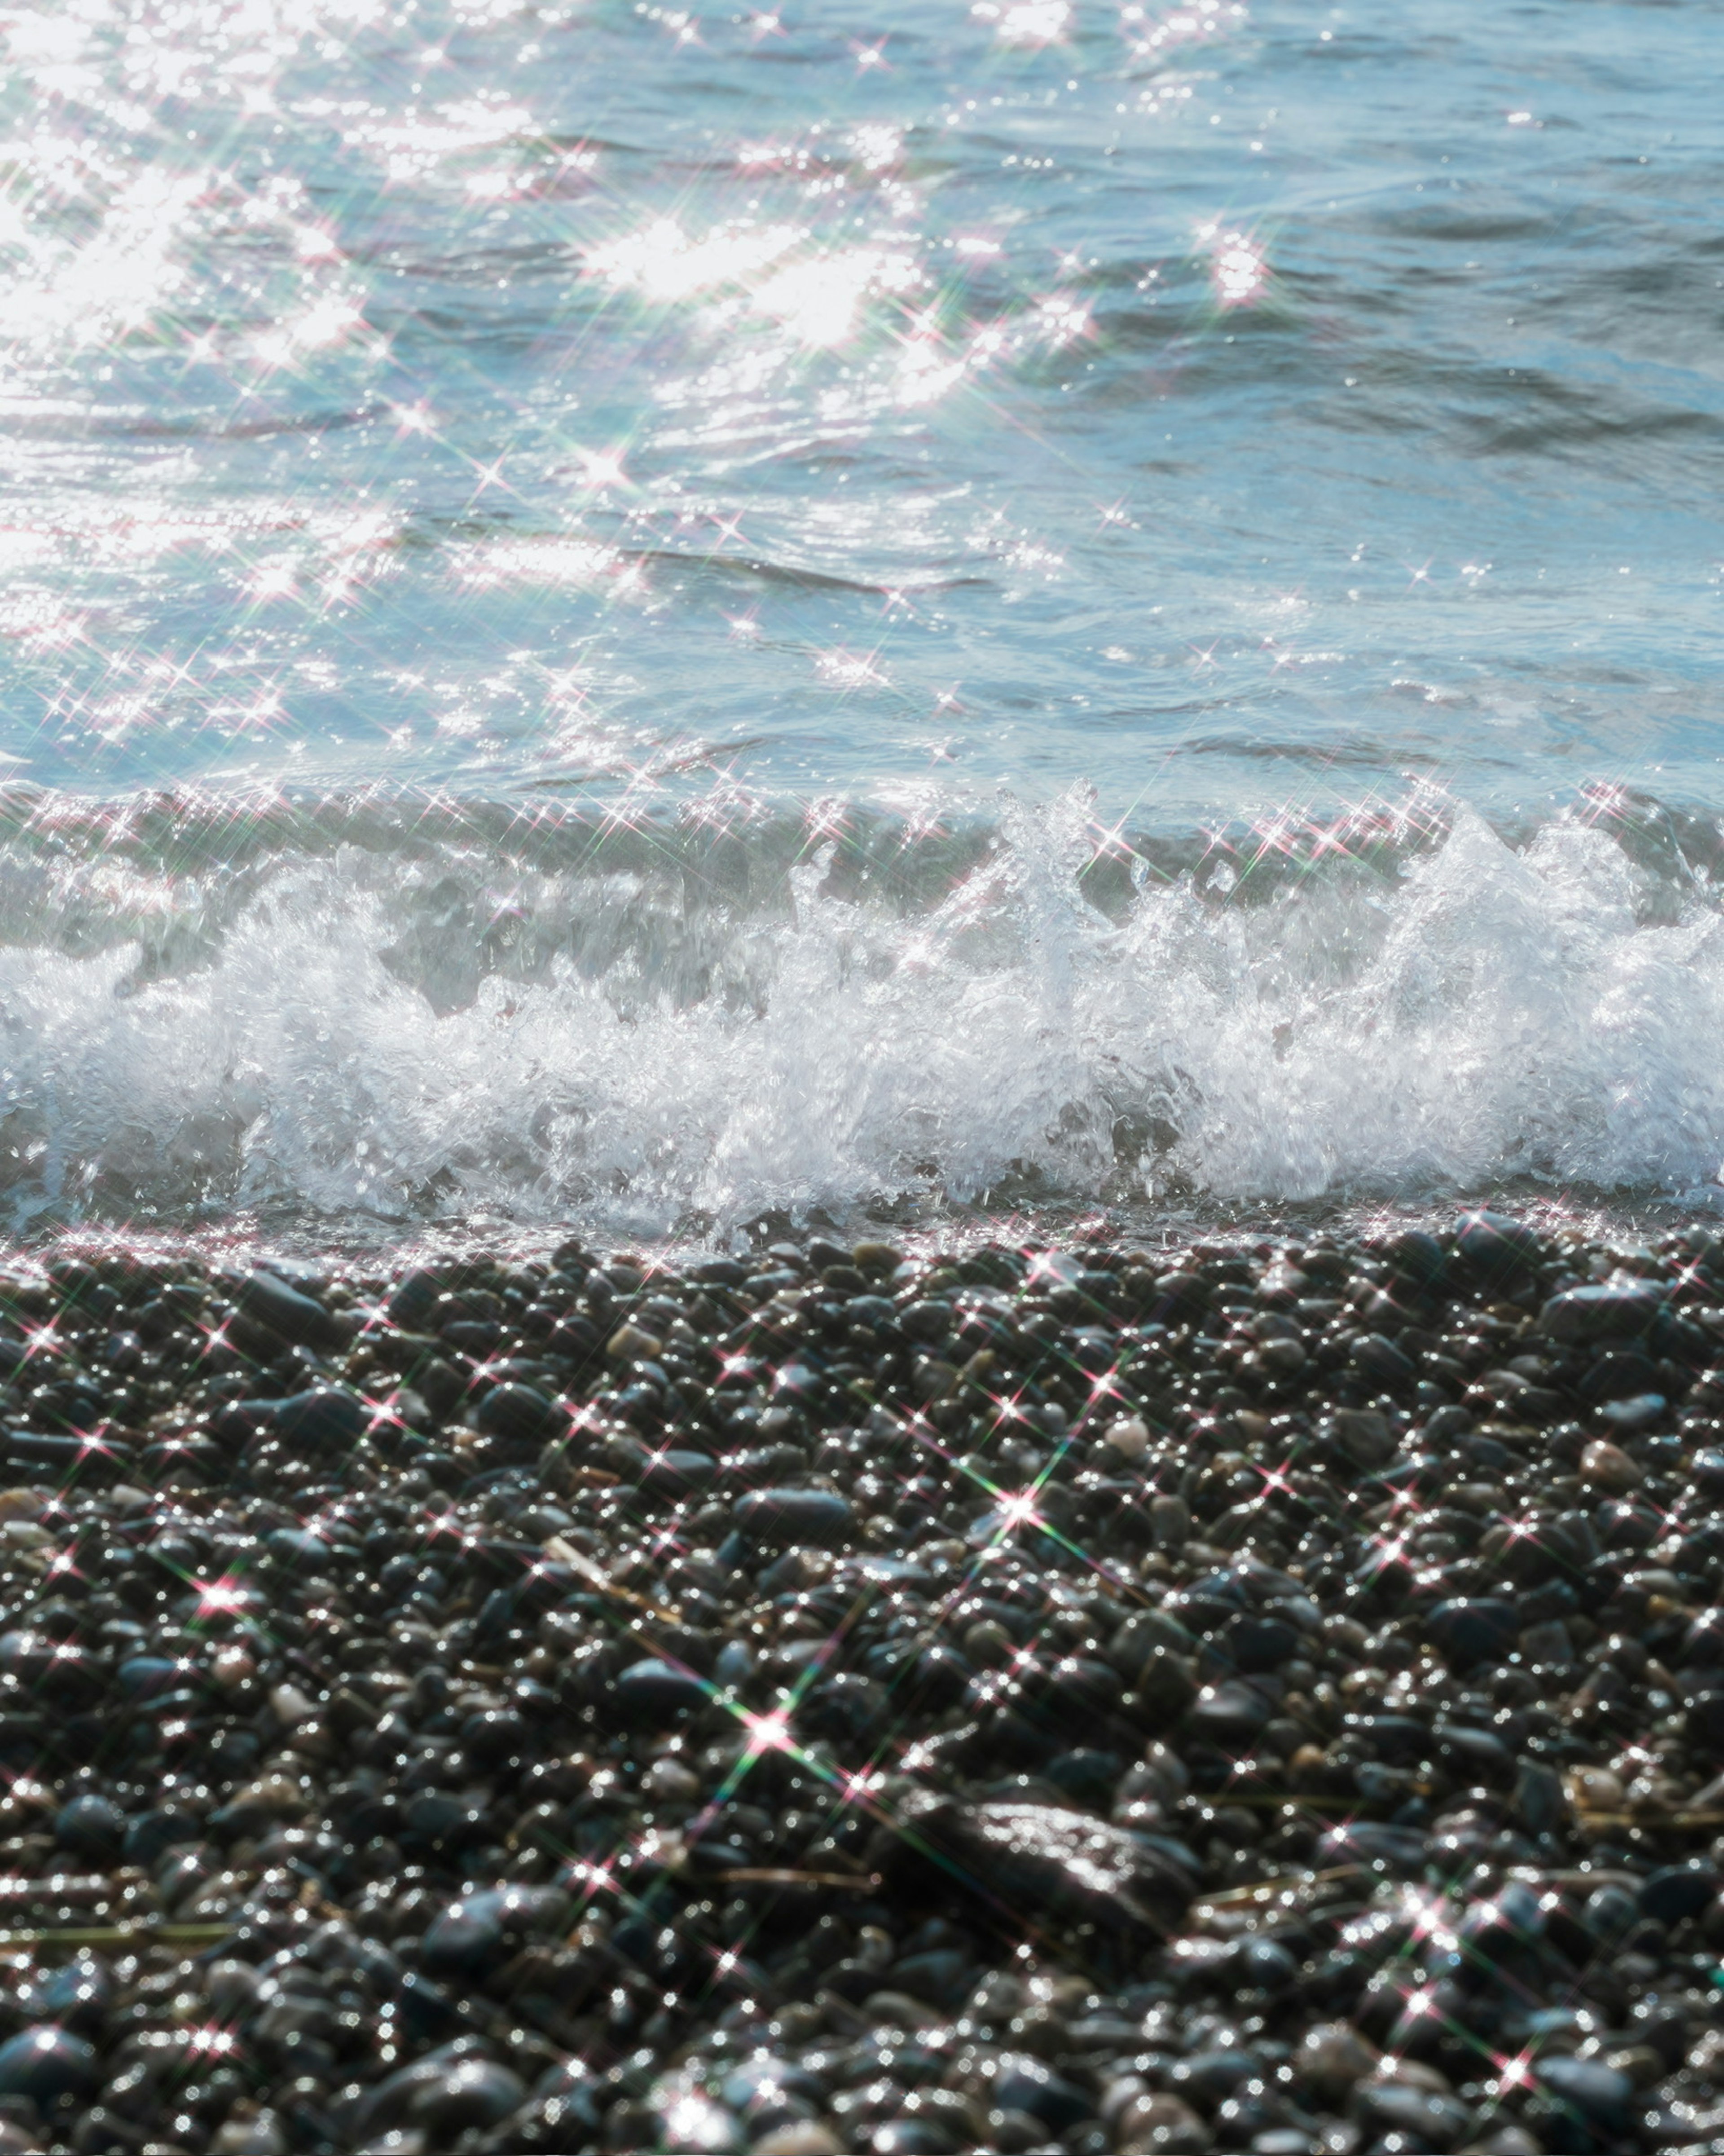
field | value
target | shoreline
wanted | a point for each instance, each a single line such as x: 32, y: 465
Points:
x: 1266, y: 1695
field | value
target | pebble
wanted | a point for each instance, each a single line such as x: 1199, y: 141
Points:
x: 793, y: 1518
x: 586, y: 1703
x: 47, y: 2063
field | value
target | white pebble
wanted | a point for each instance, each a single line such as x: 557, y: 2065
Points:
x: 1129, y: 1437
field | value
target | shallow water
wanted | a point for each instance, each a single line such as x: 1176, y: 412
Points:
x: 655, y: 615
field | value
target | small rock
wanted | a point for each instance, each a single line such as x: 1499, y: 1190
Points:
x: 1127, y: 1436
x: 1606, y: 1467
x: 1364, y: 1435
x: 1678, y: 1891
x: 90, y: 1827
x: 1044, y: 1864
x: 472, y: 2093
x: 519, y: 1413
x: 1600, y: 2095
x: 297, y: 1317
x: 787, y: 1518
x: 1601, y: 1312
x: 46, y: 2063
x: 1332, y: 2057
x: 1469, y: 1632
x: 1160, y: 2125
x: 655, y: 1691
x: 801, y: 2137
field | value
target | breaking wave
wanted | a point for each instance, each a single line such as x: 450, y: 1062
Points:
x: 391, y: 1012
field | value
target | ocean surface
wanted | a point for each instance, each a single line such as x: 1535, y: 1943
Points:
x: 653, y: 617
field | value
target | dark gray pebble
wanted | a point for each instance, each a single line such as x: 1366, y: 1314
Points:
x: 46, y: 2063
x: 780, y: 1519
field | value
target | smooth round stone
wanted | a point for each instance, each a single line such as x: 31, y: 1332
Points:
x: 299, y: 1318
x: 939, y: 1677
x: 473, y: 1929
x: 1638, y: 1412
x: 1609, y: 1911
x: 141, y: 1676
x: 415, y: 1298
x: 1332, y: 2057
x: 848, y: 1705
x: 1678, y: 1891
x: 1256, y: 1645
x: 693, y: 2122
x: 78, y: 1994
x: 1365, y: 1436
x: 875, y: 1311
x: 1080, y: 1691
x: 678, y: 1471
x: 1416, y: 1256
x: 1436, y: 2123
x: 1086, y: 1776
x: 1703, y: 1725
x: 785, y: 1518
x: 565, y: 2097
x: 1229, y: 1713
x: 912, y: 2137
x: 1619, y: 1376
x: 1606, y: 1467
x: 1599, y: 2094
x: 1091, y: 1349
x: 520, y: 1414
x: 764, y: 2078
x: 801, y: 2137
x: 90, y: 1827
x: 1601, y: 1312
x: 655, y: 1691
x: 1214, y: 2074
x: 1165, y: 1687
x: 298, y: 1549
x: 326, y: 1420
x: 1379, y: 1358
x: 1263, y: 1965
x: 493, y: 1735
x: 443, y: 1819
x: 1495, y: 1245
x: 573, y: 1339
x: 1395, y: 1849
x: 1022, y: 2083
x: 1470, y: 1631
x: 1703, y: 1645
x: 471, y: 2092
x: 1161, y: 2124
x: 46, y: 2063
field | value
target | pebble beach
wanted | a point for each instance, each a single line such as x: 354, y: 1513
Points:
x: 1260, y: 1696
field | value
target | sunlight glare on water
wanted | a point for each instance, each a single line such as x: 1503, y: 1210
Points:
x: 1227, y: 407
x: 474, y: 441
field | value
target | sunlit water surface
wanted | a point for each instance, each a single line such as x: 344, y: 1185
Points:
x: 622, y: 611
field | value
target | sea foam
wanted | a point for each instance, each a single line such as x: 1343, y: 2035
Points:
x: 356, y: 1031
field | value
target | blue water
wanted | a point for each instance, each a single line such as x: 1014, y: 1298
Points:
x: 617, y: 611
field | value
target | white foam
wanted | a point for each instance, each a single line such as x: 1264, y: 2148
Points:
x: 1488, y: 1014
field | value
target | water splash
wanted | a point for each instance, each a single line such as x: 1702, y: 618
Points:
x: 360, y: 1014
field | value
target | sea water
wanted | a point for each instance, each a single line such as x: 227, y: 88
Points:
x: 653, y: 616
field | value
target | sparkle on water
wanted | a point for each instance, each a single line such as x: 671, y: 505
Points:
x: 1076, y: 422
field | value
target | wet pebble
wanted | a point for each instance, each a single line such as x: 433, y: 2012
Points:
x: 752, y: 1738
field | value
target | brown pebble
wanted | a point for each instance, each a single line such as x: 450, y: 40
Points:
x: 1606, y: 1467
